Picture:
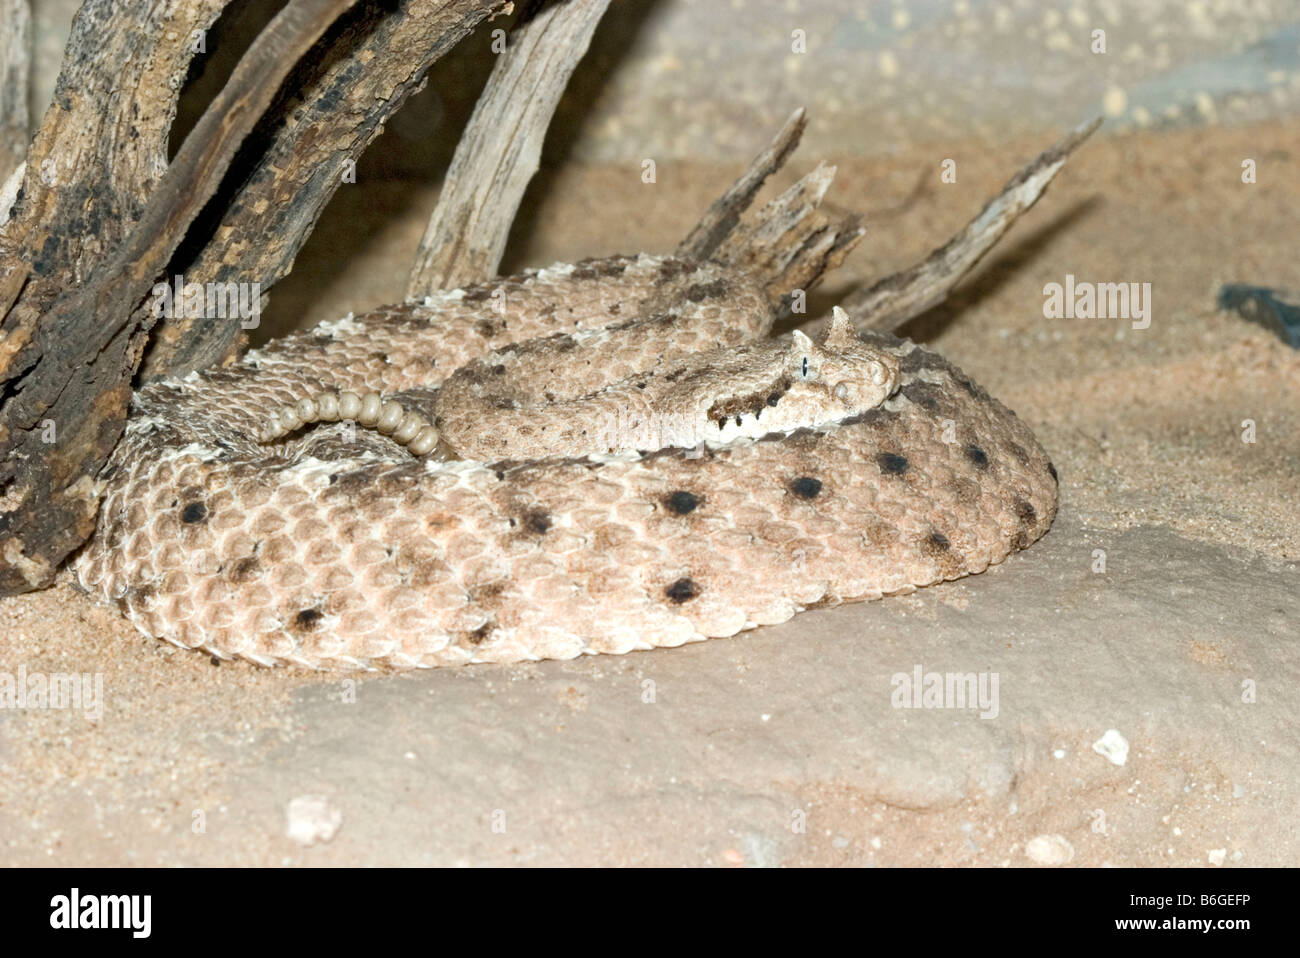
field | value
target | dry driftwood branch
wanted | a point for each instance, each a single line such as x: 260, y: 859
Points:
x: 501, y: 147
x: 790, y: 240
x: 15, y: 85
x: 72, y: 375
x: 93, y: 161
x: 193, y: 177
x: 15, y: 66
x: 371, y: 62
x: 8, y: 194
x: 895, y: 299
x: 102, y: 145
x: 723, y: 216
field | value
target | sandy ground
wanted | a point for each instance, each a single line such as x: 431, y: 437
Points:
x: 1163, y: 604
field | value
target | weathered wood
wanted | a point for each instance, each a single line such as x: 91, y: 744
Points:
x: 102, y: 144
x: 722, y: 218
x: 375, y: 58
x: 86, y: 347
x: 791, y: 240
x: 501, y: 147
x: 895, y: 299
x: 11, y: 284
x: 15, y: 70
x: 9, y: 193
x: 89, y: 169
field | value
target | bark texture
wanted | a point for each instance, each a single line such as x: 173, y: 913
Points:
x: 101, y: 216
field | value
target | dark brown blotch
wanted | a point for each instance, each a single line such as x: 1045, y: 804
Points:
x: 806, y: 487
x: 919, y: 359
x: 244, y: 570
x: 681, y: 502
x: 537, y: 521
x: 938, y: 549
x: 1026, y: 512
x: 487, y: 593
x: 489, y: 327
x: 892, y: 464
x: 194, y: 512
x: 968, y: 384
x: 683, y: 590
x: 926, y: 395
x: 671, y: 268
x: 699, y: 292
x: 308, y: 620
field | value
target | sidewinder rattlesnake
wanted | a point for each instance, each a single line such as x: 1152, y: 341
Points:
x: 621, y: 459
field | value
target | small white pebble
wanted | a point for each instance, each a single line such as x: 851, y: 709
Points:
x: 1058, y: 753
x: 1115, y: 101
x: 1217, y: 856
x: 1049, y: 850
x: 1112, y: 746
x: 311, y: 819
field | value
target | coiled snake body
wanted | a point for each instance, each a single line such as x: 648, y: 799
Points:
x: 623, y: 461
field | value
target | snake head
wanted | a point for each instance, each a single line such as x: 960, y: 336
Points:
x: 854, y: 375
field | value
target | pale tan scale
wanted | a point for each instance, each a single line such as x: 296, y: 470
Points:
x: 372, y: 407
x: 403, y: 426
x: 349, y: 405
x: 246, y: 517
